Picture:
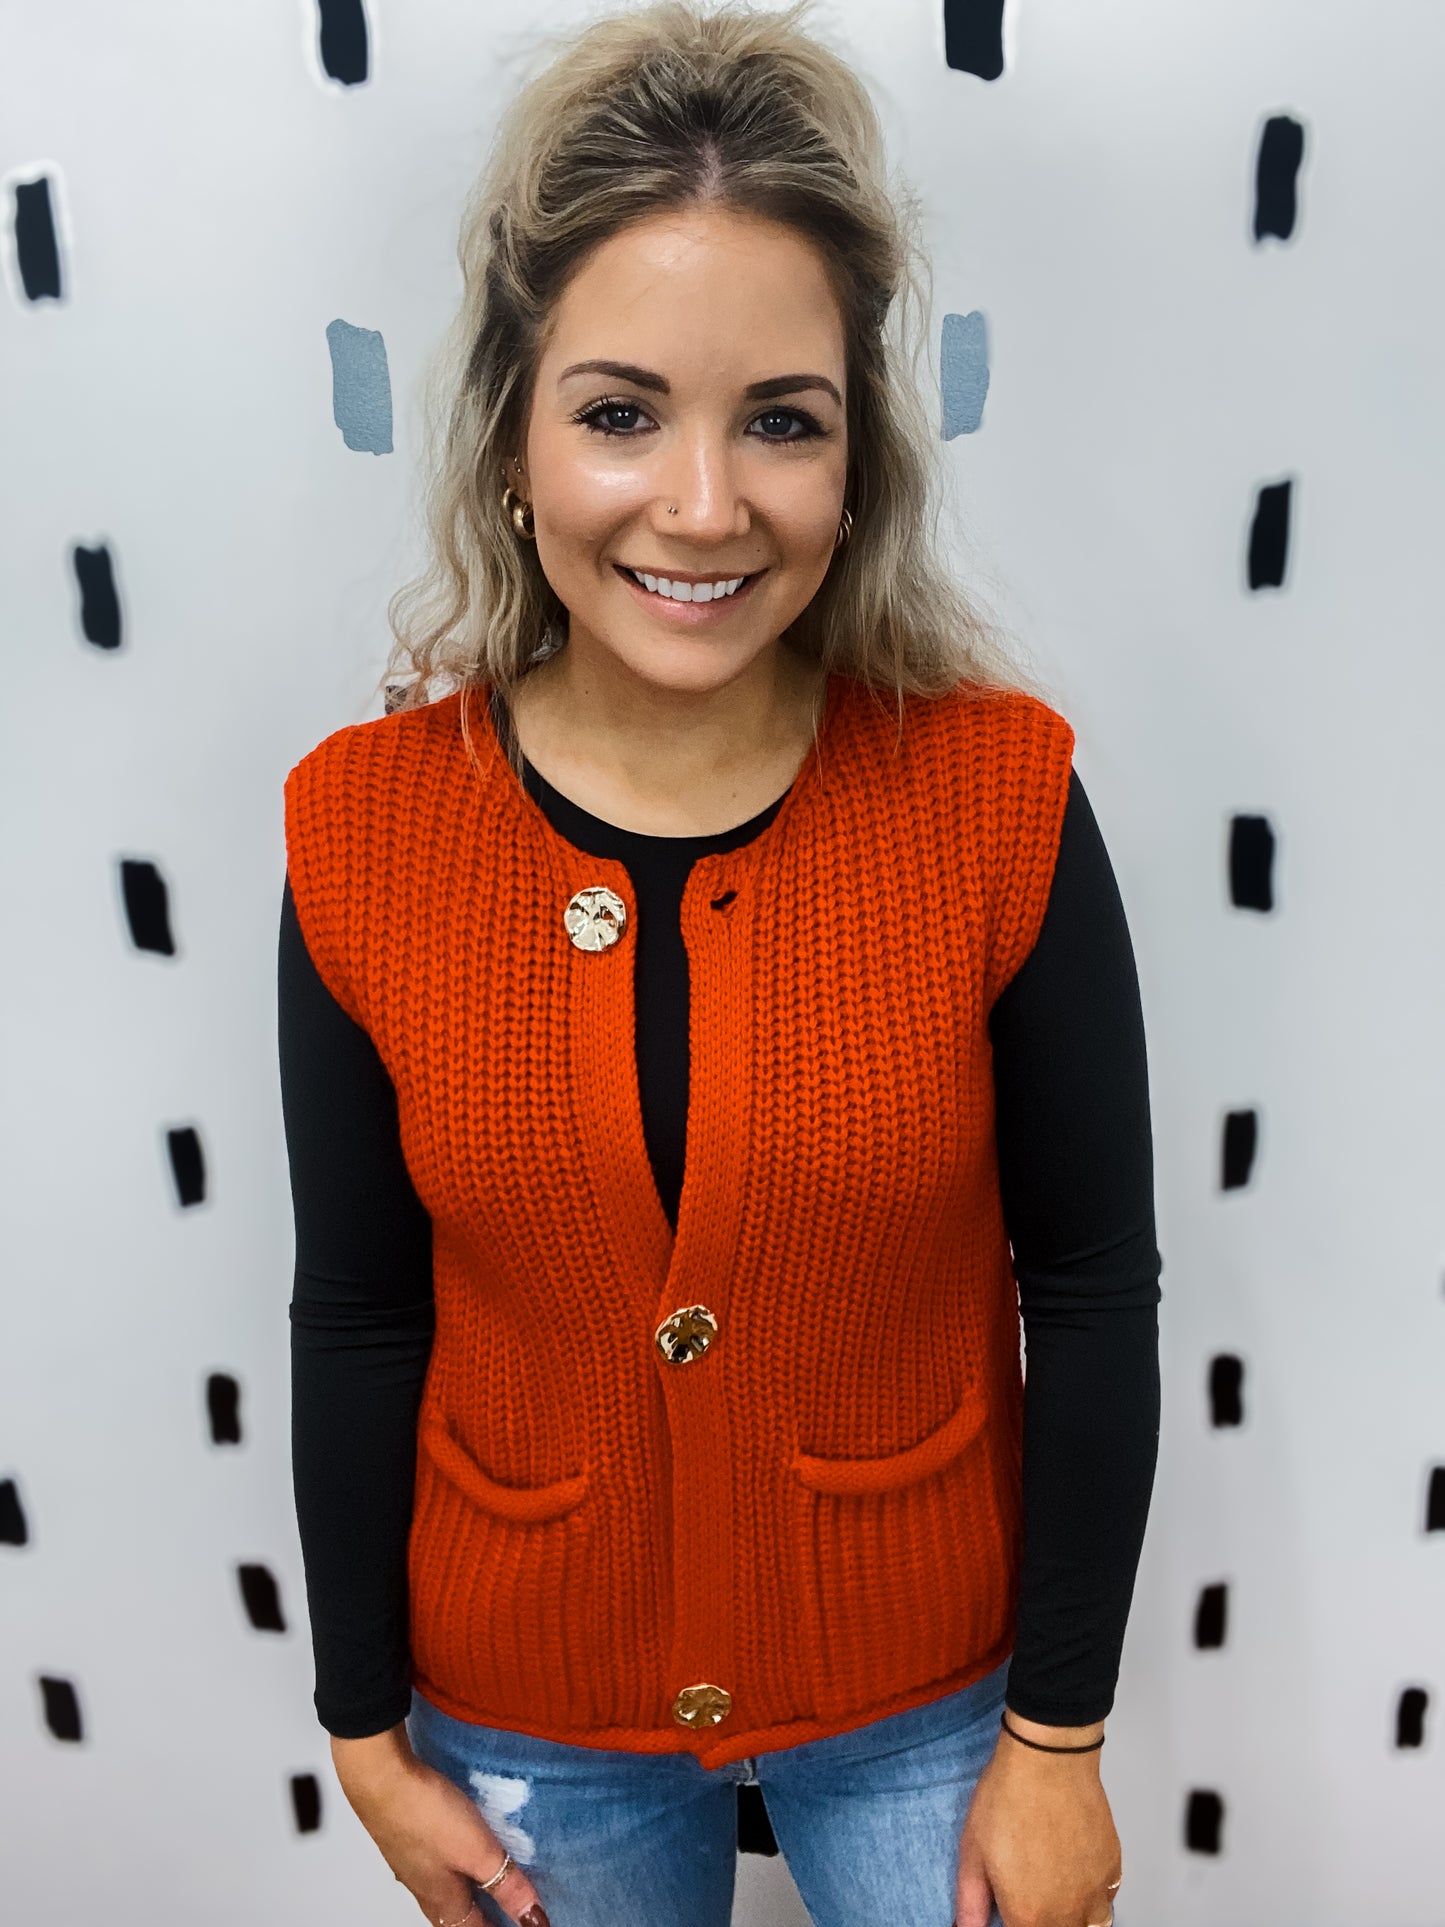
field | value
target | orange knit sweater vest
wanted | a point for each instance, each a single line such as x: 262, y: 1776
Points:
x: 812, y: 1518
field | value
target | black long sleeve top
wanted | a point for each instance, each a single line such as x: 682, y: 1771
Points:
x: 1076, y: 1179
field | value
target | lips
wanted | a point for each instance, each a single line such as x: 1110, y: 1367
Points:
x: 682, y: 588
x: 689, y: 611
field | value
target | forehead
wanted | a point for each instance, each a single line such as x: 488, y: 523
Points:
x: 704, y: 295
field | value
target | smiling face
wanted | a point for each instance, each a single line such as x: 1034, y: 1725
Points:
x: 696, y: 361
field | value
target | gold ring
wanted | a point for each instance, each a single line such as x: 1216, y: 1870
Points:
x: 497, y: 1877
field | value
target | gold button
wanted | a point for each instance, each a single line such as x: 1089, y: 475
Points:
x: 686, y: 1334
x: 702, y: 1705
x: 595, y: 917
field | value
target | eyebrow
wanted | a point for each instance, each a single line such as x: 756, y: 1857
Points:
x: 646, y: 378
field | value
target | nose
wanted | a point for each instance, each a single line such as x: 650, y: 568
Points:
x: 700, y: 482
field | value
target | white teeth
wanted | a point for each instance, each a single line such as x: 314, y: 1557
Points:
x: 687, y: 591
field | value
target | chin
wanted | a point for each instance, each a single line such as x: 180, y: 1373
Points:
x: 692, y: 664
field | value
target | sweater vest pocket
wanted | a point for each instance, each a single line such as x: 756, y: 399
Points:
x: 509, y: 1623
x: 901, y: 1565
x: 528, y: 1504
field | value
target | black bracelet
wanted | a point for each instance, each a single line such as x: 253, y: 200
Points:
x: 1092, y: 1747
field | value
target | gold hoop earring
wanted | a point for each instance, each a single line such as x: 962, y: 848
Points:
x: 845, y: 529
x: 523, y: 521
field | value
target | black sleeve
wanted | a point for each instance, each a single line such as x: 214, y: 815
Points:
x: 362, y: 1316
x: 1076, y: 1174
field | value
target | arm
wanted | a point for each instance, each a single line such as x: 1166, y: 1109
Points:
x: 1076, y: 1178
x: 361, y: 1329
x: 362, y: 1317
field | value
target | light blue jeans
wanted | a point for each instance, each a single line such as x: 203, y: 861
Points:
x: 868, y: 1821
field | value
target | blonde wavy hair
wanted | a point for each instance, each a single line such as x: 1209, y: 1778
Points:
x: 668, y: 107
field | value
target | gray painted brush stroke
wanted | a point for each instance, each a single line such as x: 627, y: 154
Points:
x: 360, y: 387
x: 964, y: 372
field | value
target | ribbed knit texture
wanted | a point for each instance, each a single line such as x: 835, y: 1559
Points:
x: 821, y: 1513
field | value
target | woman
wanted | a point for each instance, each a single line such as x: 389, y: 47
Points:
x: 680, y: 1019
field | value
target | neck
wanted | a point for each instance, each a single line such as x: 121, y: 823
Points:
x: 665, y: 760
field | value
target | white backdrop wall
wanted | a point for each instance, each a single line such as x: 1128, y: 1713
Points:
x: 218, y: 204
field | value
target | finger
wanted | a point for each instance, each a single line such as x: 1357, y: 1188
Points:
x: 1101, y: 1913
x: 448, y: 1902
x: 465, y: 1855
x: 974, y: 1895
x: 513, y: 1893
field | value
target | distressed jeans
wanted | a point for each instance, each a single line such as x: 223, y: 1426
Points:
x: 868, y: 1821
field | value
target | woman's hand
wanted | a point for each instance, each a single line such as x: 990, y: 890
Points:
x: 1039, y: 1841
x: 430, y: 1834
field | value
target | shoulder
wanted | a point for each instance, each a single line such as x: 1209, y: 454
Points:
x: 987, y: 734
x: 998, y: 722
x: 350, y: 808
x: 996, y: 763
x: 367, y: 779
x: 351, y: 802
x: 1007, y: 774
x: 377, y: 753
